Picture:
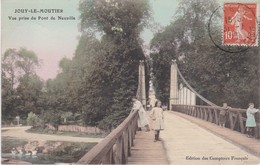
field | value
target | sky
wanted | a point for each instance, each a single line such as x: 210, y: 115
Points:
x: 51, y: 40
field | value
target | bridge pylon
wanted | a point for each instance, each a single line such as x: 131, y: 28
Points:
x: 141, y: 94
x: 173, y: 85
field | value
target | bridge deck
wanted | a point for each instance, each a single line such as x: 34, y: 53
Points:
x: 145, y: 151
x: 185, y: 142
x: 251, y: 145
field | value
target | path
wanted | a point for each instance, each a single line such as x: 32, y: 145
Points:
x: 19, y: 132
x: 252, y: 145
x: 187, y: 143
x: 145, y: 151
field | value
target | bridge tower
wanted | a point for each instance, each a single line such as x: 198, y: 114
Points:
x: 141, y: 94
x: 173, y: 85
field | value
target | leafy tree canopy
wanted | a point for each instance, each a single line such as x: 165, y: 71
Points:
x: 217, y: 75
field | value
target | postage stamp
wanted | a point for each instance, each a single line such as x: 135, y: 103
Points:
x: 240, y: 26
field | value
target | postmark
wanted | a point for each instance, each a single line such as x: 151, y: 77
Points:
x: 240, y: 27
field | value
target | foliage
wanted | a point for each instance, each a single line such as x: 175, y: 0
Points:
x: 9, y: 100
x: 9, y: 67
x: 69, y: 152
x: 29, y: 90
x: 28, y: 61
x: 52, y: 117
x: 97, y: 84
x: 8, y: 143
x: 66, y: 116
x: 46, y: 130
x: 99, y: 81
x: 73, y: 149
x: 114, y: 17
x: 217, y: 75
x: 21, y: 86
x: 33, y: 119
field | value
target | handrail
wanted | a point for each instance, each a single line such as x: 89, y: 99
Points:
x: 115, y: 148
x: 235, y: 118
x: 214, y: 107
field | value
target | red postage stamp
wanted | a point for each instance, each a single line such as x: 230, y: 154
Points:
x: 240, y: 24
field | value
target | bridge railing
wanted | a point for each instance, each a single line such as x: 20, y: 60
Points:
x: 115, y: 147
x: 235, y: 118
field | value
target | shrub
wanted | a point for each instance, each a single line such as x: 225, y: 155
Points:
x: 33, y: 119
x: 51, y: 117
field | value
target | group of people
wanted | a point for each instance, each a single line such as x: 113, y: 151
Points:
x: 156, y: 116
x: 250, y: 121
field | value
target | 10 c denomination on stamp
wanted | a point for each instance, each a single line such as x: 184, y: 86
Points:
x: 240, y: 26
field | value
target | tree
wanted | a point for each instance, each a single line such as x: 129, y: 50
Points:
x: 29, y: 90
x: 21, y: 86
x: 33, y: 119
x: 9, y: 99
x: 9, y: 66
x: 67, y: 92
x: 28, y: 62
x: 115, y: 16
x: 51, y: 117
x: 112, y: 79
x: 99, y: 81
x: 217, y: 75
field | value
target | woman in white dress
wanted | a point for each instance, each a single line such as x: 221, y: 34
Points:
x: 143, y: 122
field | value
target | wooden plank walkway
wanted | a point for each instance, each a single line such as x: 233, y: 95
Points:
x: 146, y: 151
x: 251, y: 145
x: 188, y: 140
x: 188, y: 143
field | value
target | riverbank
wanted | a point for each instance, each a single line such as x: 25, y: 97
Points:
x: 20, y: 132
x: 51, y: 148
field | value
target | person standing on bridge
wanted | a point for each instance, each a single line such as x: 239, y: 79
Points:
x: 157, y: 117
x: 250, y: 121
x: 148, y: 104
x: 143, y: 122
x: 223, y: 115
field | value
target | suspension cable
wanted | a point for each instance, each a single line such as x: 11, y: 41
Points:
x: 196, y: 93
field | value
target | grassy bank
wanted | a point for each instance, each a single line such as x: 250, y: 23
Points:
x: 73, y: 134
x: 9, y: 142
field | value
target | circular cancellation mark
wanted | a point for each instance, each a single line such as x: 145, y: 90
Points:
x: 239, y: 30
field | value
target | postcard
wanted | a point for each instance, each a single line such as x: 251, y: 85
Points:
x: 130, y: 82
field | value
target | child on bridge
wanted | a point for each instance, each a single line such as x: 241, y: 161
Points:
x: 223, y: 115
x: 250, y: 121
x: 157, y: 117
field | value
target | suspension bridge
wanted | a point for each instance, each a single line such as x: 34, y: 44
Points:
x: 192, y: 133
